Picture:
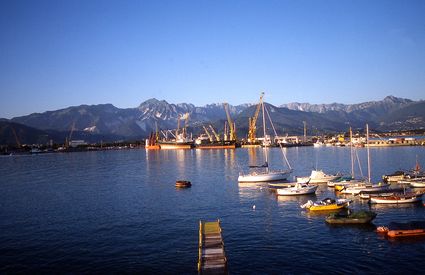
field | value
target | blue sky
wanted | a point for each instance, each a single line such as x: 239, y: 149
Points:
x: 55, y: 54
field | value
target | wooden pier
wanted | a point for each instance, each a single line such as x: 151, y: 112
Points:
x: 212, y: 258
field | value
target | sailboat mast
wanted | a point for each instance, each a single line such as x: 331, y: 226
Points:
x: 264, y: 132
x: 351, y: 151
x: 368, y: 153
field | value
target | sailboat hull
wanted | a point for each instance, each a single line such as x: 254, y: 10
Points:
x: 264, y: 177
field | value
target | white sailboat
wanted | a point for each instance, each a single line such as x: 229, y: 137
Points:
x: 356, y: 188
x: 263, y: 173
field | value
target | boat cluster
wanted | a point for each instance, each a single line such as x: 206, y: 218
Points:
x: 381, y: 193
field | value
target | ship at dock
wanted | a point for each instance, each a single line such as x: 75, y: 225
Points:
x: 212, y: 140
x: 180, y: 139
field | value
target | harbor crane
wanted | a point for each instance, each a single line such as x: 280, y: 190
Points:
x: 208, y: 134
x: 231, y: 123
x: 217, y: 137
x: 68, y: 139
x: 252, y: 121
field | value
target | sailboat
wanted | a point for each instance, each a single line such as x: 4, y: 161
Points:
x: 356, y: 188
x: 262, y: 173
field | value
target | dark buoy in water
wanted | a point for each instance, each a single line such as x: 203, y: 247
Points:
x: 183, y: 184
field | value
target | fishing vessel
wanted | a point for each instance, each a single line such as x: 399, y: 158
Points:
x: 262, y: 173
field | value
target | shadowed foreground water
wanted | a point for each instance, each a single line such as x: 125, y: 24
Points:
x: 118, y: 211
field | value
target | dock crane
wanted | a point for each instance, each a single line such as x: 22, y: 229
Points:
x: 217, y: 137
x: 186, y: 120
x: 68, y: 139
x: 231, y: 123
x: 208, y: 134
x: 252, y: 121
x: 178, y: 125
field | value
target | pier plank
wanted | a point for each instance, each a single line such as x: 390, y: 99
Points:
x: 212, y: 258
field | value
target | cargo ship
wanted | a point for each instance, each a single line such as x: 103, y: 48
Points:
x: 216, y: 145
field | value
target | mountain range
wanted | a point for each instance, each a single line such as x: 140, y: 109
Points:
x: 107, y: 122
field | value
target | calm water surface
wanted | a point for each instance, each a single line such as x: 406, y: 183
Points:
x: 118, y: 211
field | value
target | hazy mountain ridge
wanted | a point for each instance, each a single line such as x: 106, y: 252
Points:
x: 387, y: 103
x: 130, y: 122
x: 391, y: 113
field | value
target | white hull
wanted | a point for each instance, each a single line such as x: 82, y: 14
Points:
x: 332, y: 183
x: 355, y: 190
x: 401, y: 199
x: 418, y: 184
x: 294, y: 191
x: 317, y: 176
x: 264, y: 177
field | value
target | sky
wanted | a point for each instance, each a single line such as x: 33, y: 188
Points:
x: 61, y: 53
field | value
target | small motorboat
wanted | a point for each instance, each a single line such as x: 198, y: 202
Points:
x: 365, y: 187
x: 343, y: 179
x: 298, y: 189
x: 394, y: 177
x: 385, y: 192
x: 358, y: 217
x: 183, y: 184
x: 403, y: 230
x: 397, y: 198
x: 318, y: 176
x: 327, y: 204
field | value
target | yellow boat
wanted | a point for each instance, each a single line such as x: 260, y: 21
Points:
x: 339, y: 187
x: 326, y: 204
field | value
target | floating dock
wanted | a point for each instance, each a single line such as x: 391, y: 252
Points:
x: 212, y: 258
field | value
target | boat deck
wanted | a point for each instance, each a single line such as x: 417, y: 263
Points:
x: 212, y: 258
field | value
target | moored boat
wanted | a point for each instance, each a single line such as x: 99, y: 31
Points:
x: 298, y: 189
x: 326, y: 204
x: 318, y: 176
x: 410, y: 197
x: 343, y: 179
x: 418, y: 182
x: 217, y: 145
x: 175, y: 145
x: 385, y: 192
x: 394, y: 177
x: 403, y: 230
x: 365, y: 187
x: 262, y: 173
x: 281, y: 185
x: 264, y: 176
x: 358, y: 217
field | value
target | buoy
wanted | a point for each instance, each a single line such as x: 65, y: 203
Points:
x: 253, y: 207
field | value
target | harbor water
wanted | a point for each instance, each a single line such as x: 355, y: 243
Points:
x: 119, y: 212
